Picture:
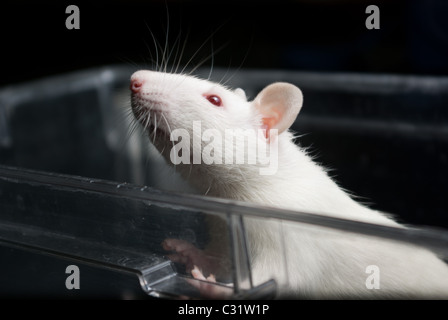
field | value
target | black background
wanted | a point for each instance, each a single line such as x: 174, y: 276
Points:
x: 326, y: 35
x: 312, y: 35
x: 304, y: 35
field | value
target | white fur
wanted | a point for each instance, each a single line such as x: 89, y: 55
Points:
x: 307, y: 262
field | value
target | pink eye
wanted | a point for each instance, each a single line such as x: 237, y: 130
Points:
x: 214, y: 100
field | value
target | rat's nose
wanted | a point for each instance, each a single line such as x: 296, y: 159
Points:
x: 136, y: 84
x: 138, y: 79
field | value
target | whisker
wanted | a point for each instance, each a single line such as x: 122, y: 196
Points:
x: 213, y: 61
x: 129, y: 62
x: 207, y: 58
x: 242, y: 62
x: 203, y: 44
x: 225, y: 74
x: 133, y: 126
x: 155, y: 129
x: 156, y: 46
x: 208, y: 190
x: 177, y: 46
x: 166, y: 50
x: 148, y: 119
x: 182, y: 51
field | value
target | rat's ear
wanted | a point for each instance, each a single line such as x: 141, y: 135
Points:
x: 240, y: 92
x: 279, y: 104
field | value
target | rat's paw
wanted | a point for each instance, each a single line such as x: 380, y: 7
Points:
x: 202, y: 267
x: 184, y: 253
x: 187, y: 254
x: 197, y: 274
x: 207, y: 286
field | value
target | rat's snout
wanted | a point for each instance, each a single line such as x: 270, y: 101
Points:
x: 136, y: 83
x: 138, y: 79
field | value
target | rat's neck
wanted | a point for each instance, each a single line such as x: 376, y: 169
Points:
x: 299, y: 184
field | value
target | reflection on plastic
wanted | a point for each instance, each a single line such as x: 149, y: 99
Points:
x: 115, y: 228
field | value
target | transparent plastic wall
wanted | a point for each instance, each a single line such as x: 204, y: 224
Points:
x: 76, y: 185
x: 126, y: 228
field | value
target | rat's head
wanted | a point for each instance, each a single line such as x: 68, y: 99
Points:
x: 165, y: 102
x: 168, y: 103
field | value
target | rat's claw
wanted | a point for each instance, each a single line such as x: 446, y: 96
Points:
x: 197, y: 274
x: 211, y: 278
x: 209, y: 290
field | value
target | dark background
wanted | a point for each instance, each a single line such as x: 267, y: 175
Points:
x: 304, y: 35
x: 405, y: 176
x: 324, y: 35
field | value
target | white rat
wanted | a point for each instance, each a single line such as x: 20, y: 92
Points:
x: 318, y: 264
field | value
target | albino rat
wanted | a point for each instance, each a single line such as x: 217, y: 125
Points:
x: 318, y: 265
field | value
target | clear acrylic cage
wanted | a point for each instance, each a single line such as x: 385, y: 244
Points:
x: 76, y: 187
